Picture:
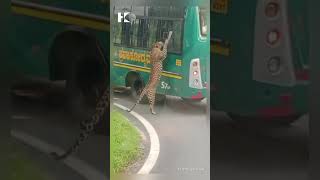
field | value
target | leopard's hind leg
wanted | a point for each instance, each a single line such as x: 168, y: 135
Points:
x: 152, y: 96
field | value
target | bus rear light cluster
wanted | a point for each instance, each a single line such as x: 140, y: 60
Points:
x: 272, y: 9
x: 195, y: 80
x: 273, y: 37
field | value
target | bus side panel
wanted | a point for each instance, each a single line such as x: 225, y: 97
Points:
x: 96, y: 7
x: 235, y: 90
x: 231, y: 56
x: 172, y: 85
x: 194, y: 48
x: 32, y: 36
x: 299, y: 32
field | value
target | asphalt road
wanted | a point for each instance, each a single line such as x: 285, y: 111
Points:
x: 237, y: 152
x: 12, y: 149
x: 277, y: 153
x: 184, y: 134
x: 46, y: 119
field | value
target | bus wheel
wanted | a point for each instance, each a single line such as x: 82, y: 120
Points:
x: 260, y: 121
x: 160, y: 98
x: 137, y: 85
x: 85, y: 84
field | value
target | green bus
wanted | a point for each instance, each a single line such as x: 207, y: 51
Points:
x: 186, y: 69
x: 64, y: 41
x: 260, y: 59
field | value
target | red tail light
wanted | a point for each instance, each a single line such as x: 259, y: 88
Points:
x: 286, y: 98
x: 302, y: 75
x: 273, y: 37
x: 195, y: 64
x: 272, y: 9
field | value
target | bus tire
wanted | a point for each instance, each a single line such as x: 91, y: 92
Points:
x: 160, y: 98
x: 84, y: 93
x: 260, y: 121
x: 137, y: 85
x: 77, y: 57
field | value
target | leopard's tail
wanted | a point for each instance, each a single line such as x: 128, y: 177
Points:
x: 87, y: 127
x: 70, y: 151
x: 143, y: 93
x: 73, y: 149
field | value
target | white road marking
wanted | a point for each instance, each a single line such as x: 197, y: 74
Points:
x: 73, y: 162
x: 143, y: 136
x: 154, y: 141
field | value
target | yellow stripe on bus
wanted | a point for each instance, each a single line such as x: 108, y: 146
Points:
x: 147, y: 70
x: 61, y: 18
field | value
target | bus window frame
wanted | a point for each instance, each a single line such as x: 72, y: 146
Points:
x: 174, y: 19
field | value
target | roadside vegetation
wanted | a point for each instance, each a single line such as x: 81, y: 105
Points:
x: 18, y: 166
x: 124, y: 141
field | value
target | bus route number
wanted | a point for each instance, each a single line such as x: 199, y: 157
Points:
x: 165, y: 85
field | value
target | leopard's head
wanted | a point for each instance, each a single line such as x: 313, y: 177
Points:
x: 158, y: 45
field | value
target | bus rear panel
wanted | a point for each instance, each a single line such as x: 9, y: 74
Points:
x: 259, y: 53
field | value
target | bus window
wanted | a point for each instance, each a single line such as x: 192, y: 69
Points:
x: 165, y: 12
x: 142, y: 34
x: 135, y: 34
x: 117, y: 34
x: 203, y: 22
x: 159, y: 29
x: 146, y: 30
x: 162, y: 21
x: 116, y: 28
x: 126, y: 34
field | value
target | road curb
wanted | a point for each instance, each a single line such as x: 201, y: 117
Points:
x: 154, y: 142
x: 78, y: 165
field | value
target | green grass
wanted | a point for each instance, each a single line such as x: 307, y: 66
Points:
x: 124, y: 141
x: 18, y: 166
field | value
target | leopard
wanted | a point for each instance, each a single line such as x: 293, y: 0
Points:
x: 157, y: 55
